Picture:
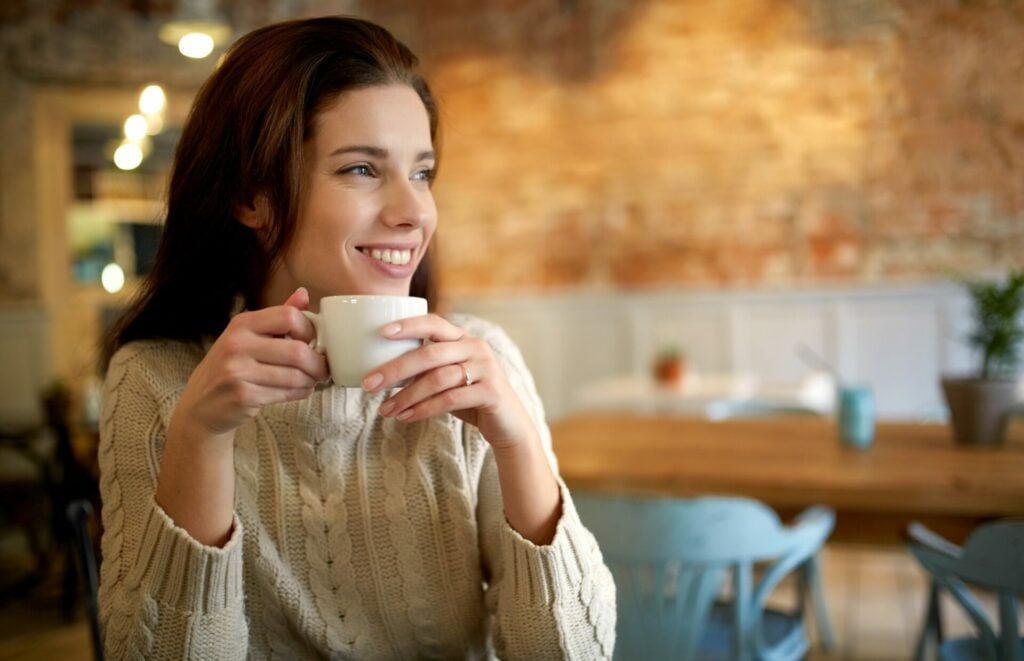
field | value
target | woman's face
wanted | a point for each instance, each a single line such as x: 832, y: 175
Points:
x: 367, y: 212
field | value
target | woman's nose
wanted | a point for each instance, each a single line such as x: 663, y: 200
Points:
x: 406, y: 205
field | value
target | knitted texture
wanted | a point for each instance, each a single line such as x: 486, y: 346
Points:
x: 355, y: 536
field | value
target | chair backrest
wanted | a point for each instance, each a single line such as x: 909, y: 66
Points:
x: 671, y: 557
x: 79, y: 512
x: 992, y: 558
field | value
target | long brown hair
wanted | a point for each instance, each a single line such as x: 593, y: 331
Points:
x: 244, y: 138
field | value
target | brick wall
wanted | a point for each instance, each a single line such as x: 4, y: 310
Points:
x: 638, y: 144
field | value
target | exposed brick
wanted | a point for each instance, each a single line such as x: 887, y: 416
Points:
x: 652, y: 143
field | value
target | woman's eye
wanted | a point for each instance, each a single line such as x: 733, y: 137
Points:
x: 360, y: 170
x: 424, y: 175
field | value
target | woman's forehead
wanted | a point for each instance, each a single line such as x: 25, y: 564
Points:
x: 392, y: 117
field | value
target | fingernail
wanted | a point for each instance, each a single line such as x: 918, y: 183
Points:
x: 386, y: 407
x: 372, y: 381
x: 392, y: 329
x: 404, y: 415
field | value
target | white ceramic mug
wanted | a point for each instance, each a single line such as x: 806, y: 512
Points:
x: 348, y: 331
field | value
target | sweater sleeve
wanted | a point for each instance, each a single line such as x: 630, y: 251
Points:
x: 163, y: 595
x: 548, y: 602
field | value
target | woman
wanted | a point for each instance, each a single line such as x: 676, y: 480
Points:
x: 252, y: 510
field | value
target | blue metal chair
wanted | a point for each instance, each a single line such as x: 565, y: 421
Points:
x: 993, y: 559
x: 671, y: 558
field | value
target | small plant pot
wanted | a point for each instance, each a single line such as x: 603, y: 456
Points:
x: 979, y: 409
x: 669, y: 373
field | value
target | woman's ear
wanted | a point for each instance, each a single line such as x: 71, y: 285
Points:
x: 254, y: 215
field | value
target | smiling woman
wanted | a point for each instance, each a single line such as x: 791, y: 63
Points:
x: 253, y: 509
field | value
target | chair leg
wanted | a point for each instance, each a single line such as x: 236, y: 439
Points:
x: 932, y: 624
x: 825, y: 635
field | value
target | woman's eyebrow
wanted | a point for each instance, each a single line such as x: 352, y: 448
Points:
x: 377, y: 152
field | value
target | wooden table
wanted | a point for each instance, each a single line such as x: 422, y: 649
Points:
x: 912, y: 472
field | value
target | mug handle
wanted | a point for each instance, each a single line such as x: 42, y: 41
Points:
x: 317, y: 343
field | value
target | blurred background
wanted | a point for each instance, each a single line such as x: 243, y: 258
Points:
x: 778, y: 191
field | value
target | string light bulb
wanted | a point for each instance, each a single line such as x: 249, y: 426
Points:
x: 135, y: 128
x: 112, y: 278
x: 152, y: 100
x: 128, y: 156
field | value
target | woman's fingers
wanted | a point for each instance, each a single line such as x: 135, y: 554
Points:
x: 461, y: 398
x: 299, y: 299
x: 287, y: 352
x: 279, y: 320
x: 419, y: 361
x: 426, y: 386
x: 427, y: 327
x: 283, y: 378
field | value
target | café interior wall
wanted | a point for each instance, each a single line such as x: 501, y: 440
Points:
x: 614, y: 145
x: 654, y: 144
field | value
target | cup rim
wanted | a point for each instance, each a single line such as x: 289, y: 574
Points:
x: 355, y: 298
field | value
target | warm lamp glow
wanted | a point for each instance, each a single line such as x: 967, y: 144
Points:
x: 135, y: 128
x: 152, y: 100
x: 196, y: 45
x: 154, y: 123
x: 112, y: 278
x: 128, y: 156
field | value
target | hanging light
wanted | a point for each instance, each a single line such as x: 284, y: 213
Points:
x: 135, y: 128
x: 112, y: 278
x: 152, y: 100
x: 196, y: 29
x: 196, y: 45
x: 128, y: 156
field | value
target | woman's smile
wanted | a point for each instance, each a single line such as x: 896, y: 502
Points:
x: 393, y: 260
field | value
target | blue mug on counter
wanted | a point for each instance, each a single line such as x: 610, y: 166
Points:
x: 856, y: 416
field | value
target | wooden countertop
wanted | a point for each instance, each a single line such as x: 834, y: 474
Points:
x: 793, y: 462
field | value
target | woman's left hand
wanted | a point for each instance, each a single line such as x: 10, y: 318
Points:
x: 452, y: 373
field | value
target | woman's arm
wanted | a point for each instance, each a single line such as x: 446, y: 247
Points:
x: 459, y: 373
x: 171, y: 584
x: 261, y: 358
x: 163, y: 595
x: 548, y: 587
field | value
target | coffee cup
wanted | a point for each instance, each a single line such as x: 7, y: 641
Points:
x: 348, y: 331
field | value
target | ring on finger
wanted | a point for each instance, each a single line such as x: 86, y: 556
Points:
x: 466, y: 379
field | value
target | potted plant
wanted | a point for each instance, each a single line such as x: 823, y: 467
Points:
x: 980, y: 405
x: 670, y: 367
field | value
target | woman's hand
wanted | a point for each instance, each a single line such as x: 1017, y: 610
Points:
x: 262, y: 357
x: 454, y: 373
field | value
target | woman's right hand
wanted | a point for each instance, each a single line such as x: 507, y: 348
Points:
x: 262, y: 357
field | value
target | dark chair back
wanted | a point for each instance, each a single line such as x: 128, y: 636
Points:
x: 993, y: 559
x: 79, y: 512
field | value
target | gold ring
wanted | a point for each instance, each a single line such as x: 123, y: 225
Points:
x: 465, y: 374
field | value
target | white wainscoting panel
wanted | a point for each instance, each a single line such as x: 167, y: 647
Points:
x: 898, y: 339
x: 893, y: 345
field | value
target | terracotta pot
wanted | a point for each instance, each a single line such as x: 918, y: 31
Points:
x: 979, y: 409
x: 669, y: 372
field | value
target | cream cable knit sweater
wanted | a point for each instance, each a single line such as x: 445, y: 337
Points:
x: 355, y: 536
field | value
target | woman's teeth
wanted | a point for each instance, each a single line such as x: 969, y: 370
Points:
x: 396, y: 257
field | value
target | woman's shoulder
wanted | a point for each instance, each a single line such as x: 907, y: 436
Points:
x: 486, y: 330
x: 501, y: 343
x: 158, y: 359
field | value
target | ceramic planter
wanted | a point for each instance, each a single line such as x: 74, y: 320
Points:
x: 979, y: 409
